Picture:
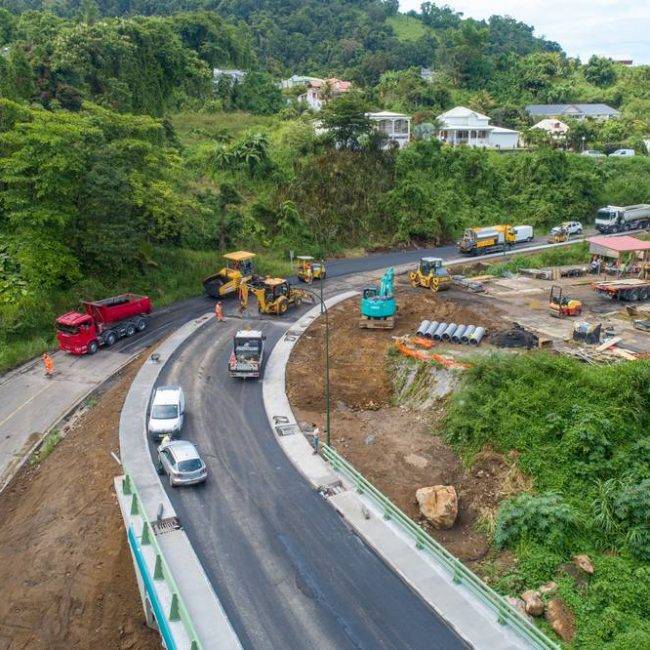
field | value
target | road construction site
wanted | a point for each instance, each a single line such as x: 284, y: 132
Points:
x: 380, y: 422
x: 383, y: 411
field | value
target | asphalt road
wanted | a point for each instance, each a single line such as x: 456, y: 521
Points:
x: 173, y: 316
x: 288, y: 571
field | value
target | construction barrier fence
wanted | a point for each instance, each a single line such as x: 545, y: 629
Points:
x: 155, y: 573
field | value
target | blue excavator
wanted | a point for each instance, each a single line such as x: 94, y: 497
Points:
x: 378, y: 306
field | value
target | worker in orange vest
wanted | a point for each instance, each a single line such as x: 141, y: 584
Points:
x: 49, y: 364
x: 218, y: 312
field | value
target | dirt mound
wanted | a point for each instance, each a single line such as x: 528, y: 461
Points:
x: 358, y: 373
x: 65, y: 566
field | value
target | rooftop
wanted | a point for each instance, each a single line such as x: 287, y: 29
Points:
x: 623, y: 244
x: 386, y: 114
x: 463, y: 111
x: 571, y: 109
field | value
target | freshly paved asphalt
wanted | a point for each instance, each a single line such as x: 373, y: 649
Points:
x: 288, y: 571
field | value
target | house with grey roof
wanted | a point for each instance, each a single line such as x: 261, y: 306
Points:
x: 574, y: 111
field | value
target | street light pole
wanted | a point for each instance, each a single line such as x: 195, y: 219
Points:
x: 323, y: 308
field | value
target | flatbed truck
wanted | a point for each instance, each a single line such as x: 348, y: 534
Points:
x: 628, y: 290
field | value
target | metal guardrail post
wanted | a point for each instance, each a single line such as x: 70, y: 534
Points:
x: 161, y: 573
x: 460, y: 574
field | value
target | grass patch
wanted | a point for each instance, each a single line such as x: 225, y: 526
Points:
x: 407, y: 28
x: 560, y: 256
x: 50, y: 441
x: 14, y: 353
x: 581, y: 436
x: 193, y: 128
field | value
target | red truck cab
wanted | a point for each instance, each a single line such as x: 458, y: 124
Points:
x: 103, y: 323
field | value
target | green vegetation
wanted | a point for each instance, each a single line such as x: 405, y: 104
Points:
x: 564, y: 255
x: 407, y: 28
x: 47, y: 446
x: 581, y: 433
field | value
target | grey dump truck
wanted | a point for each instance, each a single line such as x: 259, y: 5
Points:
x: 614, y: 218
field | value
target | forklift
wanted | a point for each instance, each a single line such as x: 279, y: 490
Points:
x: 562, y: 306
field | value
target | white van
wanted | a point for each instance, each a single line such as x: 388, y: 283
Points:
x: 523, y: 234
x: 167, y: 412
x: 622, y: 153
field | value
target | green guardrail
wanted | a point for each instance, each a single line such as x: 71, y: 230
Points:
x: 177, y: 610
x: 505, y: 613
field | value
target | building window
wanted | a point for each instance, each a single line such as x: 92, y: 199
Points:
x: 401, y: 126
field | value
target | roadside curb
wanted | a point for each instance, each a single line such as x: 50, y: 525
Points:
x: 461, y: 609
x: 203, y: 607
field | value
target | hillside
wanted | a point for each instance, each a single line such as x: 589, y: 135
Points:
x: 123, y: 166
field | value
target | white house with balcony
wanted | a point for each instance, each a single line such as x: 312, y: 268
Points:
x: 395, y: 126
x: 462, y: 125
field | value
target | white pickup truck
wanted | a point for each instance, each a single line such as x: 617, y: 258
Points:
x: 247, y: 356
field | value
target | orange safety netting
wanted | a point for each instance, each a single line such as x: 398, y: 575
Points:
x: 425, y: 355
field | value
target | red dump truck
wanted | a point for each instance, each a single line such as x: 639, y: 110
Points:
x: 103, y: 323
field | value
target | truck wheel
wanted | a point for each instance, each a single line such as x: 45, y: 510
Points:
x: 213, y: 287
x: 130, y: 329
x: 633, y: 295
x: 93, y: 347
x: 141, y: 324
x: 110, y: 339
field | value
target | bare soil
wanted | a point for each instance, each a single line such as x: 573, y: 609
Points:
x: 65, y: 567
x: 391, y: 445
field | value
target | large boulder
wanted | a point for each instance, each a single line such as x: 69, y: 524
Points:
x: 519, y: 605
x: 584, y: 562
x: 560, y: 619
x: 439, y: 504
x: 548, y: 588
x: 533, y: 602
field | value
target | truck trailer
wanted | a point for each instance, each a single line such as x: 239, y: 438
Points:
x: 627, y: 290
x: 103, y: 323
x: 480, y: 241
x: 613, y: 218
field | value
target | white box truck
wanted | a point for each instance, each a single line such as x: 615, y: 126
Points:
x: 523, y: 234
x: 614, y: 218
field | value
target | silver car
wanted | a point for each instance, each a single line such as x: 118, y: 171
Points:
x: 180, y: 460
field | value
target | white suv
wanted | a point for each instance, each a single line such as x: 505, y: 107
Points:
x: 571, y: 228
x: 167, y: 412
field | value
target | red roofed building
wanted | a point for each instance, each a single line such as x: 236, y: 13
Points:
x: 614, y: 246
x: 631, y: 255
x: 320, y: 91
